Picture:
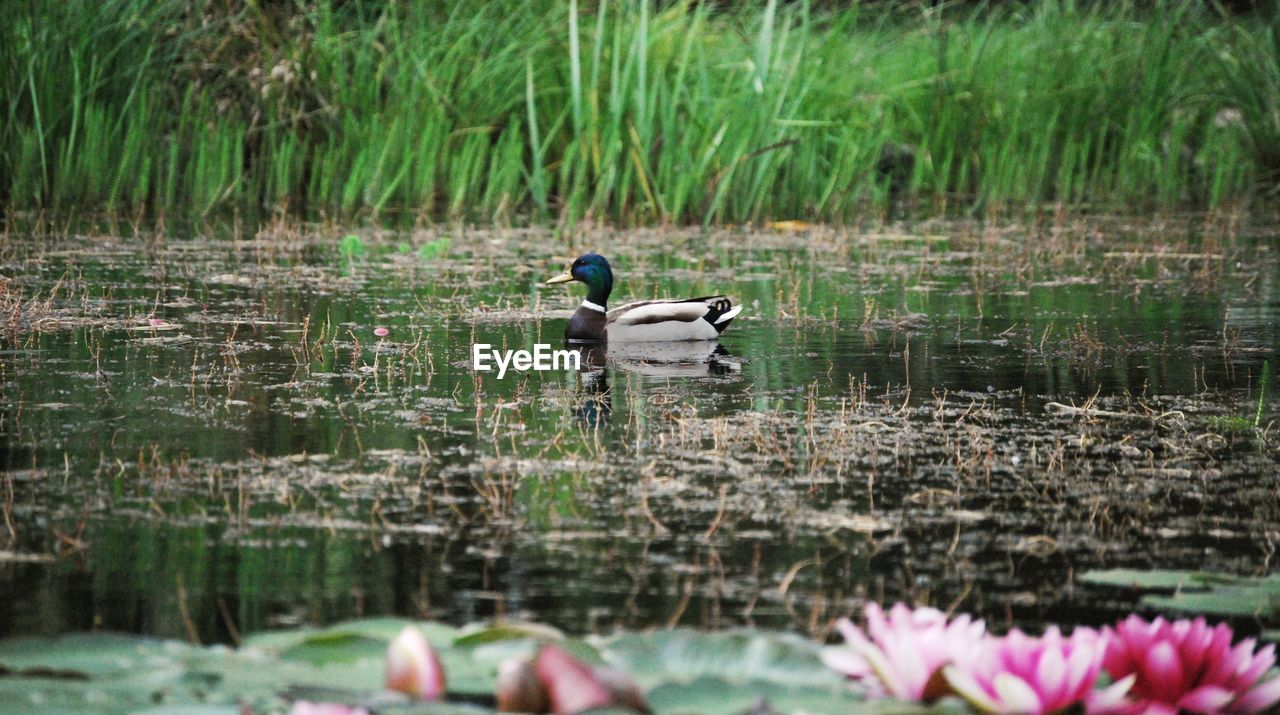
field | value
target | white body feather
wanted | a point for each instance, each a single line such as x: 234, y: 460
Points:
x: 663, y: 320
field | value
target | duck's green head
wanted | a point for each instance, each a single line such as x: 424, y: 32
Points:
x: 593, y: 270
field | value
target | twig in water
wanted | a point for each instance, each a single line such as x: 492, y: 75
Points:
x: 193, y: 635
x: 1091, y: 412
x: 8, y: 507
x: 658, y: 527
x: 229, y: 621
x: 715, y: 523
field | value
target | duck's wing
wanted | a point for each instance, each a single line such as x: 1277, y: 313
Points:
x: 654, y: 320
x: 643, y: 311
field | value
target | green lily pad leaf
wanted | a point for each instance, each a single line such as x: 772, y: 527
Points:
x: 735, y: 656
x: 1227, y: 601
x: 684, y: 671
x: 710, y: 695
x: 124, y: 674
x: 91, y: 655
x: 1154, y: 580
x: 434, y: 249
x: 507, y: 631
x: 326, y: 648
x: 351, y: 245
x: 191, y: 709
x: 1199, y: 593
x: 383, y: 629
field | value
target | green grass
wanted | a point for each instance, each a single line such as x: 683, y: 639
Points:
x: 628, y: 112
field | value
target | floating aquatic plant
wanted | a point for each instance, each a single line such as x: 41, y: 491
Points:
x: 1189, y: 666
x: 413, y: 667
x: 1155, y: 667
x: 1017, y: 673
x: 901, y: 654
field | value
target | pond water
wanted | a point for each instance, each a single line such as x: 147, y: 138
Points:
x: 202, y: 436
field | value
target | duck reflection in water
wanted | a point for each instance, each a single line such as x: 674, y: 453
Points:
x: 594, y: 404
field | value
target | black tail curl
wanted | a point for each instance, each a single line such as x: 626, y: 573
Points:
x: 718, y: 306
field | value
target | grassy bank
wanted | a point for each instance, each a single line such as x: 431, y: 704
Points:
x: 627, y: 113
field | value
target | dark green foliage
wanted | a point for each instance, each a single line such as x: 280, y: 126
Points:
x: 630, y: 112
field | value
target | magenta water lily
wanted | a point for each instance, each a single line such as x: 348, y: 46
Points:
x: 1136, y: 668
x: 1017, y: 673
x: 1188, y: 666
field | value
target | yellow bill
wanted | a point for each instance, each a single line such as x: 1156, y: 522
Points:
x: 562, y: 278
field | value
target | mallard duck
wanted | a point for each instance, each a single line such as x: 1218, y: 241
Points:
x: 643, y: 321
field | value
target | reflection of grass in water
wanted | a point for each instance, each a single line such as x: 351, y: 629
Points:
x: 612, y: 110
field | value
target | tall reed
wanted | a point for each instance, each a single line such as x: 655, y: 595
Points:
x: 633, y: 112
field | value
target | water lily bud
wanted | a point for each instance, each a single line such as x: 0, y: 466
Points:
x: 571, y: 685
x: 413, y: 668
x: 519, y: 690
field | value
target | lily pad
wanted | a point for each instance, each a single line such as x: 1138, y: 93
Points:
x: 507, y: 631
x: 1157, y: 579
x: 1198, y: 593
x: 682, y: 655
x: 1256, y: 601
x: 680, y: 670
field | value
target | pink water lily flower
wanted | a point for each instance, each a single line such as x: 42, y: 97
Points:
x: 1026, y: 675
x: 1186, y: 666
x: 413, y: 668
x: 900, y: 655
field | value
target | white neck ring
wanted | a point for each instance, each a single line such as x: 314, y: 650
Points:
x: 592, y: 306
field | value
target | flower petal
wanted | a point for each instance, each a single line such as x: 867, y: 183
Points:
x: 1083, y: 663
x: 1051, y: 676
x: 1016, y: 696
x: 845, y: 661
x: 1260, y: 698
x: 518, y: 688
x: 1206, y: 699
x: 1111, y: 698
x: 1258, y: 664
x: 967, y: 687
x: 1162, y: 669
x: 883, y: 669
x: 571, y: 686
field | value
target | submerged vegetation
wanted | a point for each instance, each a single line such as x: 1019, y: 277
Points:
x: 630, y: 112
